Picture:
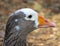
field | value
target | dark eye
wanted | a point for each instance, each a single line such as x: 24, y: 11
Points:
x: 30, y: 16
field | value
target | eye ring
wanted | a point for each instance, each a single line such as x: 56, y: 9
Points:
x: 30, y: 16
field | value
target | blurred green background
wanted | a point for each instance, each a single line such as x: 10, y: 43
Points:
x: 48, y: 8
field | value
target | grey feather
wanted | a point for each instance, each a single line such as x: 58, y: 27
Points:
x: 16, y: 31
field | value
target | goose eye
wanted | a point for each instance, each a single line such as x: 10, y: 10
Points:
x: 30, y: 16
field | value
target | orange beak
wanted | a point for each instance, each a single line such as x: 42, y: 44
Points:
x: 44, y: 22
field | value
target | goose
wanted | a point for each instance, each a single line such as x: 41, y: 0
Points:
x: 20, y: 24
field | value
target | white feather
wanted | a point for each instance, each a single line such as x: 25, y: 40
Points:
x: 16, y: 20
x: 17, y: 28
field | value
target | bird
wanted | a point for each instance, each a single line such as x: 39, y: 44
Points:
x: 20, y: 23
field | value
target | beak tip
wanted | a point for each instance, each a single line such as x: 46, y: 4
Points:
x: 52, y: 24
